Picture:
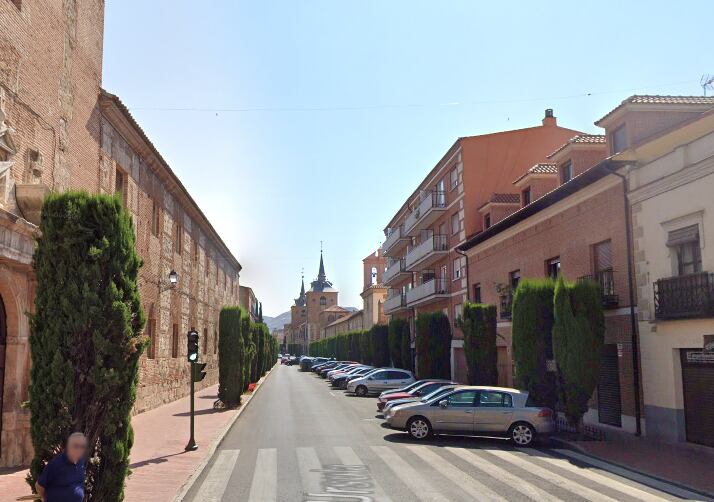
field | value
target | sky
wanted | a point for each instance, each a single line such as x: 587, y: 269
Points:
x: 293, y: 122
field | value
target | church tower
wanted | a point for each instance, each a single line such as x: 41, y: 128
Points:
x: 322, y: 295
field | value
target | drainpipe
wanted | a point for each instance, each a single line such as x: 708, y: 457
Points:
x: 631, y: 288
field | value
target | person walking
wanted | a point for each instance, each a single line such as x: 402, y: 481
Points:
x: 62, y: 479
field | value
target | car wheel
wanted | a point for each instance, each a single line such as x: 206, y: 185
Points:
x: 361, y: 391
x: 522, y: 434
x: 419, y: 428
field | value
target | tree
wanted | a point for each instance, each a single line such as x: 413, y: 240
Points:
x: 578, y: 335
x: 395, y: 332
x: 406, y: 348
x: 433, y: 345
x: 231, y: 355
x: 479, y: 327
x: 380, y: 345
x: 86, y: 336
x: 250, y: 350
x: 365, y: 341
x: 532, y: 316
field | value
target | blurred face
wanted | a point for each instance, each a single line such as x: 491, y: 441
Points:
x: 76, y: 447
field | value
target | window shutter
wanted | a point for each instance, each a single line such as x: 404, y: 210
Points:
x: 683, y: 235
x: 603, y: 256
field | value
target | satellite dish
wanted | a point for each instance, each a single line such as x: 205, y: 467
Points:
x: 707, y: 83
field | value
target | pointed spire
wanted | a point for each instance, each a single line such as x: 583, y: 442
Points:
x: 321, y: 274
x: 321, y: 283
x: 301, y: 300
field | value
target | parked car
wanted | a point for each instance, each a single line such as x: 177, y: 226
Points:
x: 479, y: 411
x: 418, y: 392
x: 293, y: 360
x: 407, y: 388
x: 380, y: 380
x: 438, y: 392
x: 343, y: 364
x: 285, y: 359
x: 317, y: 367
x: 329, y: 364
x: 346, y: 367
x: 339, y: 380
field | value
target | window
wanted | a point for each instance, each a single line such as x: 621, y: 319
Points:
x: 195, y: 251
x: 477, y: 292
x: 526, y: 196
x: 155, y: 218
x: 323, y: 300
x: 396, y: 375
x: 374, y: 276
x: 178, y: 238
x: 552, y: 267
x: 215, y: 342
x: 465, y: 399
x: 490, y: 399
x: 440, y: 194
x: 458, y: 311
x: 619, y: 139
x: 514, y: 278
x: 454, y: 178
x: 380, y: 375
x: 455, y: 223
x: 686, y: 250
x: 205, y: 340
x: 175, y: 341
x: 120, y: 184
x: 566, y: 172
x: 206, y: 264
x: 457, y: 268
x: 487, y: 220
x: 151, y: 335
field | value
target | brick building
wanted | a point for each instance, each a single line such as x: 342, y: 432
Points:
x: 250, y: 303
x: 60, y: 131
x: 425, y: 273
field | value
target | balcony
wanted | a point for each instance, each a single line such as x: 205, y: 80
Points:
x: 606, y: 281
x: 432, y: 205
x: 395, y: 303
x: 431, y: 290
x: 396, y: 241
x: 506, y: 302
x: 395, y: 271
x: 685, y: 296
x: 429, y: 251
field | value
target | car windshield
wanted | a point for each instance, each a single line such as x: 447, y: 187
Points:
x: 438, y: 393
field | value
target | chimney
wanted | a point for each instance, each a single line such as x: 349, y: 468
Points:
x: 549, y: 119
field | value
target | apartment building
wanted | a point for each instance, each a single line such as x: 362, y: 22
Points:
x: 59, y: 131
x: 425, y: 271
x: 667, y: 144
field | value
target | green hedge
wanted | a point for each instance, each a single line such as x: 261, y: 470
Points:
x: 478, y: 324
x: 396, y: 330
x: 85, y: 336
x: 532, y: 340
x: 433, y: 345
x: 578, y: 337
x: 367, y: 347
x: 406, y: 348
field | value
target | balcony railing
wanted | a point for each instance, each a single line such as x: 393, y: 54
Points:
x: 426, y: 211
x: 433, y: 287
x: 685, y: 296
x: 395, y: 237
x: 394, y: 303
x: 394, y: 269
x: 506, y: 301
x: 430, y: 245
x: 606, y: 281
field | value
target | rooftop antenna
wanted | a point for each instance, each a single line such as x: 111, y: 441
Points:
x: 707, y: 82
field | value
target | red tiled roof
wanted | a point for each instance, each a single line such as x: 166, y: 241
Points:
x: 540, y: 168
x: 661, y: 100
x: 582, y: 139
x: 503, y: 198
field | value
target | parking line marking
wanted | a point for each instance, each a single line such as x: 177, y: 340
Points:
x: 264, y: 486
x: 496, y: 472
x: 454, y: 474
x: 216, y: 481
x: 413, y: 479
x: 333, y: 394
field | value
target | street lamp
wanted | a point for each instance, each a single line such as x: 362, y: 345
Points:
x: 173, y: 280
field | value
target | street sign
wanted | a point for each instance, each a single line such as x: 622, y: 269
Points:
x: 197, y: 373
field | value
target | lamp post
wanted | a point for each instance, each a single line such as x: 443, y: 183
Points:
x: 171, y: 283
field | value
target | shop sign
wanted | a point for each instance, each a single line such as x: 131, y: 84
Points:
x: 700, y: 357
x: 708, y: 343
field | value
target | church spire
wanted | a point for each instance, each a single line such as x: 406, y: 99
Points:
x: 321, y: 283
x: 300, y: 300
x: 321, y: 274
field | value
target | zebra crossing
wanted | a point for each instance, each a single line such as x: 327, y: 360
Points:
x: 425, y: 472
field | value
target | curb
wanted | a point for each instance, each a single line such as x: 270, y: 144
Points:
x: 188, y: 484
x: 568, y: 445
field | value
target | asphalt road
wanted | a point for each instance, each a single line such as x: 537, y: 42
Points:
x: 299, y: 440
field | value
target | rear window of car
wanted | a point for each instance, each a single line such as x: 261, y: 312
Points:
x: 491, y: 399
x: 397, y: 375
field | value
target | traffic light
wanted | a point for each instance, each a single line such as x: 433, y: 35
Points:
x: 192, y: 338
x: 198, y: 373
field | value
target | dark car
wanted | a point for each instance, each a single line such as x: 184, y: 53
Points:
x: 340, y: 380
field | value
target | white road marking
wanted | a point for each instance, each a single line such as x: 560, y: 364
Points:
x: 348, y: 457
x: 309, y: 467
x: 264, y: 486
x: 502, y: 475
x: 556, y: 479
x: 216, y: 481
x: 414, y: 480
x: 454, y: 474
x: 333, y: 394
x: 635, y: 476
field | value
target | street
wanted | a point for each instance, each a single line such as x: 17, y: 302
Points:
x: 302, y: 441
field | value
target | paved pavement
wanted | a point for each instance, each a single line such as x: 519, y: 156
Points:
x: 301, y: 441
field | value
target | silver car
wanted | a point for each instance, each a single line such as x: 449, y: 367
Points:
x: 380, y: 380
x: 473, y: 410
x: 436, y: 393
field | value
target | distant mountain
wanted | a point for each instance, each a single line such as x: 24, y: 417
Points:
x: 277, y: 322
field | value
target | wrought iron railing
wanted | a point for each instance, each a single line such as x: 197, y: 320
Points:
x: 685, y: 296
x: 506, y: 305
x: 606, y: 281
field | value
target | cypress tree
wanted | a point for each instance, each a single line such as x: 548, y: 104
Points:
x: 366, y: 347
x: 249, y: 352
x: 231, y: 355
x: 433, y: 345
x: 86, y: 336
x: 380, y: 345
x: 479, y: 327
x: 396, y: 330
x: 406, y: 348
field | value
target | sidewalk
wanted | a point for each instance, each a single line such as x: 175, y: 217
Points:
x: 160, y: 466
x: 687, y: 465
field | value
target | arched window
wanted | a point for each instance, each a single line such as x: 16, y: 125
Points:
x: 323, y: 300
x: 374, y: 275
